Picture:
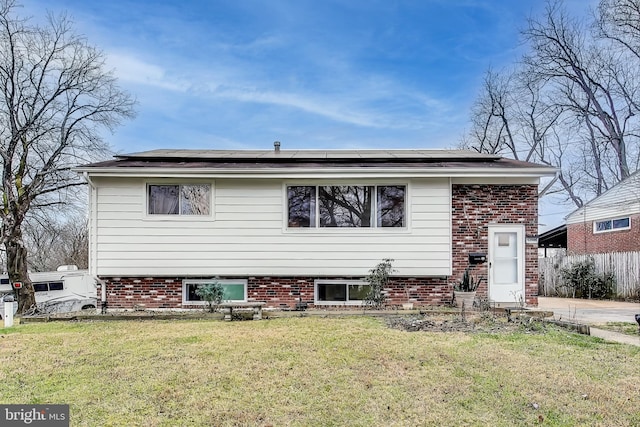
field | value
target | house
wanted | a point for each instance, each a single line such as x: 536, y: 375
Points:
x: 608, y: 223
x: 288, y: 227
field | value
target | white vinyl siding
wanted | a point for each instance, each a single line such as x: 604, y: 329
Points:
x: 249, y: 235
x: 620, y: 201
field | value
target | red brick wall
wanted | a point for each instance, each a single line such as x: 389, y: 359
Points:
x: 474, y: 207
x: 277, y: 292
x: 477, y: 206
x: 582, y: 240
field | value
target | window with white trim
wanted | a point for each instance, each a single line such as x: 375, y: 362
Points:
x: 234, y: 290
x: 340, y: 292
x: 346, y: 206
x: 612, y: 225
x: 48, y: 286
x: 178, y: 199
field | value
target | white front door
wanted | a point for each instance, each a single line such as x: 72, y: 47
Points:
x: 506, y: 263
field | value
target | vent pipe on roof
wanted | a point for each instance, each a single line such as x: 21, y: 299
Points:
x: 276, y: 146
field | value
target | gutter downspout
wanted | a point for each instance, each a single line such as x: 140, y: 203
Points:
x: 549, y: 185
x: 584, y: 226
x: 93, y: 202
x: 544, y: 191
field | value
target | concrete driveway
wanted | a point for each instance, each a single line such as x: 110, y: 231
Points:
x: 594, y: 313
x: 591, y: 312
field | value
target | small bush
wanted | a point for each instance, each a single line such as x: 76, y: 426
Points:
x: 468, y: 283
x: 581, y: 281
x: 212, y: 293
x: 378, y: 279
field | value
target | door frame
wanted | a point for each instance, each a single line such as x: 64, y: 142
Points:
x: 519, y: 229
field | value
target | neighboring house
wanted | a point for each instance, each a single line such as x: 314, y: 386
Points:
x: 608, y: 223
x: 553, y: 242
x: 307, y: 226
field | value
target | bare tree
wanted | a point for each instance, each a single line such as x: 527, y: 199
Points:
x: 491, y: 116
x: 560, y: 53
x: 55, y: 96
x: 516, y: 116
x: 571, y: 103
x: 619, y: 20
x: 54, y: 241
x: 513, y: 115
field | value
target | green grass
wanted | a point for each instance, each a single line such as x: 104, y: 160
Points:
x: 316, y: 371
x: 626, y: 328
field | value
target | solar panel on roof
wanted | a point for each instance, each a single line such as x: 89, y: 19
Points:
x: 310, y: 154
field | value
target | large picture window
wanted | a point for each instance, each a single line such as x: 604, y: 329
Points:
x: 194, y: 199
x: 337, y: 292
x: 234, y: 290
x: 346, y: 206
x: 612, y: 225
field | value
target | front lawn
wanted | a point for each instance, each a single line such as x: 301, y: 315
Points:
x: 316, y: 371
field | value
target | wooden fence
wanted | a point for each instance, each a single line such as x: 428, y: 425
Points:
x: 625, y: 267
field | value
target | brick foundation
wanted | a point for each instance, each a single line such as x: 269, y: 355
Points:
x: 277, y: 292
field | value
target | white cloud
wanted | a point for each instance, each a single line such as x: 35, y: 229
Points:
x: 310, y: 103
x: 374, y: 102
x: 133, y: 70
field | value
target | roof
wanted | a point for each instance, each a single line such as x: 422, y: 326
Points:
x: 622, y: 198
x: 191, y: 162
x: 554, y: 238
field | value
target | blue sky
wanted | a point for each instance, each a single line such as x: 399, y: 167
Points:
x: 312, y: 74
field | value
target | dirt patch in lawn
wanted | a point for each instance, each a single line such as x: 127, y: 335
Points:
x: 475, y: 322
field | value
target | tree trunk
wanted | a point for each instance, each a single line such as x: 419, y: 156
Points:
x: 17, y: 269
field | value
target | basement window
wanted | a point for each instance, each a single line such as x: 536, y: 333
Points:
x: 234, y: 290
x: 340, y: 292
x: 612, y: 225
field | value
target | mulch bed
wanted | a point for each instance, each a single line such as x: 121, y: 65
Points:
x: 471, y: 322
